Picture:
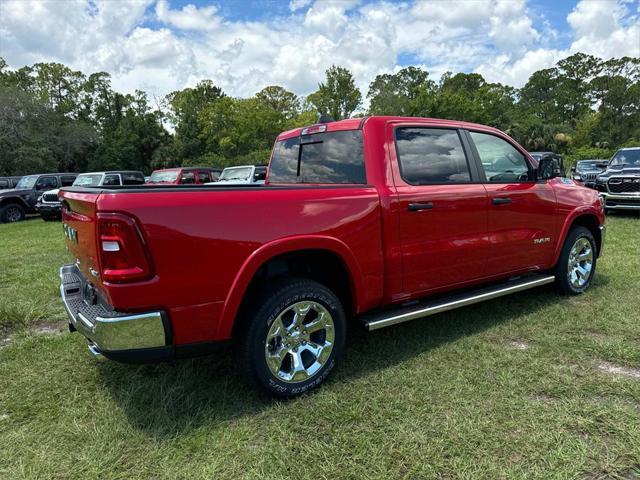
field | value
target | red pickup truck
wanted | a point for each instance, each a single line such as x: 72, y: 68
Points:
x: 377, y: 220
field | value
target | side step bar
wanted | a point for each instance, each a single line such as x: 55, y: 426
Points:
x: 426, y: 308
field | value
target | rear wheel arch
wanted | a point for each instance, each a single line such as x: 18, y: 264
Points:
x: 327, y: 261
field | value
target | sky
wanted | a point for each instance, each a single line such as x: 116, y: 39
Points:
x: 244, y: 45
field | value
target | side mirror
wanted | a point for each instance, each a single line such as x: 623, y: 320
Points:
x: 548, y: 167
x: 573, y: 169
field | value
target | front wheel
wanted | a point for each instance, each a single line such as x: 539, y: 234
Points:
x: 12, y: 213
x: 293, y: 337
x: 577, y: 263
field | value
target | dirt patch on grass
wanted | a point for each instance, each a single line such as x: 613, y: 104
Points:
x: 613, y: 369
x: 49, y: 328
x: 519, y: 344
x: 542, y: 397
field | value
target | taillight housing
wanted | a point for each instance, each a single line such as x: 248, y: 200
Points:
x: 123, y: 253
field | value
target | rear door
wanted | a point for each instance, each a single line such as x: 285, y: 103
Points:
x: 521, y: 221
x: 442, y: 208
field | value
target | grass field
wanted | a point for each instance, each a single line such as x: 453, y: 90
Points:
x: 529, y: 386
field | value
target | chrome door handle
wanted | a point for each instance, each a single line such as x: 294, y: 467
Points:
x: 416, y: 207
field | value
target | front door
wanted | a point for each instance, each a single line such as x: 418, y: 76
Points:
x: 442, y: 209
x: 522, y: 224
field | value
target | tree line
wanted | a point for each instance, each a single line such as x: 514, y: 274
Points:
x: 53, y: 118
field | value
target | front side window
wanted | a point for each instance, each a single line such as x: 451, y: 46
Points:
x: 204, y: 177
x: 111, y: 180
x: 501, y: 161
x: 188, y: 178
x: 431, y: 156
x: 47, y: 183
x: 324, y: 158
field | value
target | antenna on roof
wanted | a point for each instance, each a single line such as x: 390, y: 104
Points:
x: 324, y: 118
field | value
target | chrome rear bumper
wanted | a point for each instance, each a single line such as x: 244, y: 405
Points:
x: 120, y: 336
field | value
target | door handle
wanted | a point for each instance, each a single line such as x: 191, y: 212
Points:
x: 415, y: 207
x: 501, y: 201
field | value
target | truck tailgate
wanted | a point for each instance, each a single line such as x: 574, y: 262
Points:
x: 79, y: 225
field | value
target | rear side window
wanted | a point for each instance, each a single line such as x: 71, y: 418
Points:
x: 67, y: 180
x: 132, y: 178
x: 431, y: 156
x: 332, y: 157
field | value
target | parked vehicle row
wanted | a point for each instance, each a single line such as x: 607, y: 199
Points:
x: 39, y: 193
x: 49, y: 205
x: 380, y: 220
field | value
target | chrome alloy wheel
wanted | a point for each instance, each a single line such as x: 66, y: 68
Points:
x: 299, y: 341
x: 580, y: 262
x: 13, y: 214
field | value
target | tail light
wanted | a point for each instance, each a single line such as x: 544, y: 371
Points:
x: 123, y: 256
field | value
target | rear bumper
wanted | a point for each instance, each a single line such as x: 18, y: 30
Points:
x: 126, y: 337
x: 629, y: 201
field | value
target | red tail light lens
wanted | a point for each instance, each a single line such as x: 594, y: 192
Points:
x: 123, y: 256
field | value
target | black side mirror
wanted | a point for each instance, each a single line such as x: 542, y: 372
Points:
x: 548, y: 167
x: 573, y: 169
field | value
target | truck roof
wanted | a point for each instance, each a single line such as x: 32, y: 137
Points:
x: 358, y: 123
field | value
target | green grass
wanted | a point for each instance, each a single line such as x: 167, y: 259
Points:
x: 453, y: 396
x: 31, y: 252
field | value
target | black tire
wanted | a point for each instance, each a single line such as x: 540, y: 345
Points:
x: 564, y: 281
x: 278, y: 300
x: 12, y: 212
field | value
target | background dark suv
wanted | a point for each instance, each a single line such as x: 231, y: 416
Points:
x: 17, y: 202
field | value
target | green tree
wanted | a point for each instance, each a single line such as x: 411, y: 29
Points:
x: 398, y: 94
x: 338, y: 96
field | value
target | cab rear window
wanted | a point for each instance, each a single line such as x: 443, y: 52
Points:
x: 330, y: 157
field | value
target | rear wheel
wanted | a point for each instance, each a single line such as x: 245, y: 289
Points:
x: 293, y: 337
x: 12, y: 212
x: 577, y: 263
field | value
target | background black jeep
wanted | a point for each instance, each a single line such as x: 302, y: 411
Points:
x: 17, y: 202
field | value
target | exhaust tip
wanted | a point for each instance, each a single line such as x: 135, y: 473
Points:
x: 95, y: 351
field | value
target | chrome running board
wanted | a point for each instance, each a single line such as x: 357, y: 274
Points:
x: 427, y: 307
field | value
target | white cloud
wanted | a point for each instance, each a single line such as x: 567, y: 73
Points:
x: 189, y: 18
x: 150, y: 45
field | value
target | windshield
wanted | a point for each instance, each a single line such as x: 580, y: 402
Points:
x: 626, y: 157
x: 88, y: 180
x: 27, y: 182
x: 582, y: 165
x: 160, y: 176
x: 241, y: 173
